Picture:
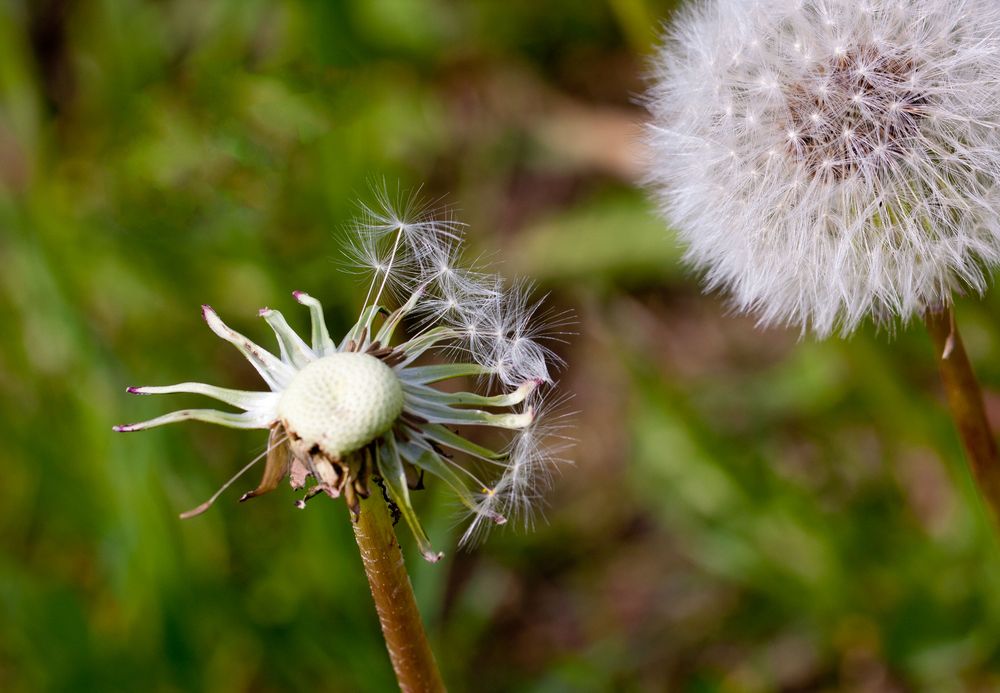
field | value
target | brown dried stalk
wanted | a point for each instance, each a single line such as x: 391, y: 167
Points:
x: 966, y: 403
x: 405, y: 638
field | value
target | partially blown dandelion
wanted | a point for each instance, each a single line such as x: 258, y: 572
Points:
x: 831, y: 160
x: 341, y: 411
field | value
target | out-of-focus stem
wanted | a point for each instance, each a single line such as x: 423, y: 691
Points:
x: 966, y: 403
x: 405, y: 638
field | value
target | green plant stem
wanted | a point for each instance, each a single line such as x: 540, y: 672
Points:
x: 405, y: 638
x: 966, y: 403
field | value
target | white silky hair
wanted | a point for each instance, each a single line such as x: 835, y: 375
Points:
x: 828, y: 161
x: 536, y: 452
x: 413, y: 249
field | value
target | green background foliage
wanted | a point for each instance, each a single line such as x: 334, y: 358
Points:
x: 747, y: 511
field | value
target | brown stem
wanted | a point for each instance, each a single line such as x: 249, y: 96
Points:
x: 405, y: 639
x: 966, y: 403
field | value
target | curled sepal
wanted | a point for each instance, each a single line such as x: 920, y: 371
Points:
x: 430, y: 462
x: 221, y: 418
x: 244, y: 399
x: 321, y: 342
x: 443, y: 436
x: 391, y: 469
x: 431, y: 395
x: 276, y: 374
x: 392, y: 322
x: 358, y: 336
x: 416, y: 347
x: 443, y: 414
x: 426, y: 375
x: 279, y: 457
x: 293, y: 349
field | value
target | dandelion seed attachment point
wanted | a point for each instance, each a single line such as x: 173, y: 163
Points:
x: 851, y: 110
x: 340, y: 403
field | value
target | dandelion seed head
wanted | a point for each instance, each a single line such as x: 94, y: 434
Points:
x: 339, y: 403
x: 341, y: 411
x: 826, y: 163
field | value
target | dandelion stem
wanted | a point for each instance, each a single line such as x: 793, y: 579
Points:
x: 966, y: 403
x: 405, y: 638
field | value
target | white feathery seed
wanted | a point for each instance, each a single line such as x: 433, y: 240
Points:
x: 827, y: 161
x: 536, y: 453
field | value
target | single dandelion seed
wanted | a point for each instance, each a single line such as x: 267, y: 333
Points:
x: 884, y: 199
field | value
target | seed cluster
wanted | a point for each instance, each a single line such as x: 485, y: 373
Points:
x: 858, y: 111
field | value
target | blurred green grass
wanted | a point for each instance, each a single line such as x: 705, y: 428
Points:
x: 746, y: 511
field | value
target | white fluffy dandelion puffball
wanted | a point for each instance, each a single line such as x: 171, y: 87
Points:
x: 830, y: 160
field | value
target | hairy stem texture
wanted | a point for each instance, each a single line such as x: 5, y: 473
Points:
x: 405, y: 638
x: 966, y: 403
